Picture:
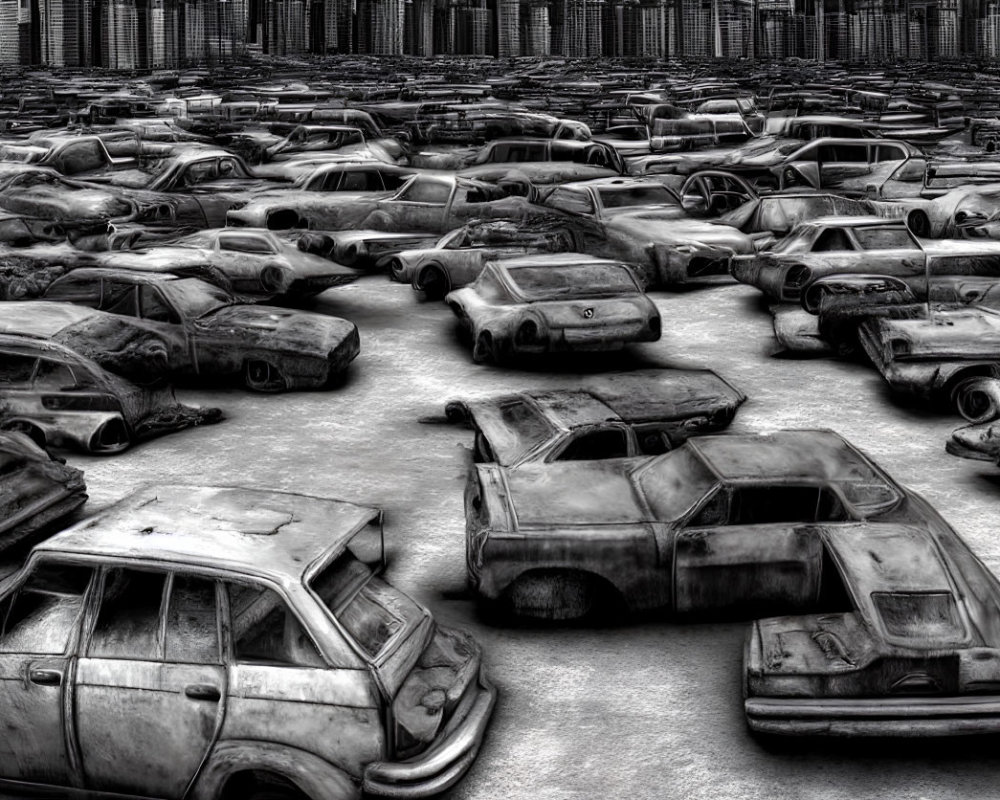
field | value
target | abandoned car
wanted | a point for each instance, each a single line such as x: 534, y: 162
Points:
x: 204, y: 641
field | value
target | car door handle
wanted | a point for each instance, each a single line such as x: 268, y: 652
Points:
x: 202, y: 691
x: 45, y: 677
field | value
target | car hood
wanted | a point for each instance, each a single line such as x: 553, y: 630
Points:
x: 575, y: 493
x: 813, y: 644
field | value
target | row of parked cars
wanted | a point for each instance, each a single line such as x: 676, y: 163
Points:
x: 231, y: 628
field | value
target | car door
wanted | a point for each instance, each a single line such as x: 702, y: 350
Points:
x: 890, y: 250
x: 155, y: 309
x: 420, y: 206
x: 281, y: 690
x: 39, y: 627
x: 150, y: 688
x: 752, y: 546
x: 840, y: 163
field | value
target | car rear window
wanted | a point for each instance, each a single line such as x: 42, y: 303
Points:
x: 621, y: 197
x: 920, y: 615
x: 371, y: 610
x: 585, y: 280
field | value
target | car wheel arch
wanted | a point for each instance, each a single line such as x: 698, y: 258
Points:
x: 600, y: 588
x: 232, y: 760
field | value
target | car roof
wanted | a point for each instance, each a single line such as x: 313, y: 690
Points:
x: 822, y: 455
x: 853, y: 222
x: 28, y: 345
x: 555, y: 260
x: 41, y: 318
x: 132, y: 275
x: 272, y: 534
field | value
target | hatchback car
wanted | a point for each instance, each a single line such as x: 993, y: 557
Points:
x: 218, y: 642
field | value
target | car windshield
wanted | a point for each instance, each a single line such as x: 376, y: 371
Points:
x: 371, y: 610
x: 622, y: 196
x: 674, y: 483
x: 195, y: 298
x: 522, y: 430
x: 921, y: 616
x: 573, y: 281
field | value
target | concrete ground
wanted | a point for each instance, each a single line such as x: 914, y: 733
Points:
x: 646, y: 710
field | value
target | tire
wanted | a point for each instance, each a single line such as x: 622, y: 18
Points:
x: 262, y: 376
x: 433, y: 282
x: 456, y: 412
x: 552, y: 595
x: 919, y: 223
x: 977, y: 399
x: 284, y: 220
x: 396, y: 270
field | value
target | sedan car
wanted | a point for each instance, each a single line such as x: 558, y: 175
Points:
x: 828, y: 246
x: 632, y: 414
x: 896, y: 617
x: 228, y: 632
x: 547, y: 303
x: 60, y: 398
x: 772, y: 216
x: 458, y: 257
x: 36, y: 490
x: 210, y: 334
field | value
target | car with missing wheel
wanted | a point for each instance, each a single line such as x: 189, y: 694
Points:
x: 632, y: 414
x: 550, y: 303
x: 212, y: 642
x: 210, y: 334
x: 889, y: 624
x: 60, y: 398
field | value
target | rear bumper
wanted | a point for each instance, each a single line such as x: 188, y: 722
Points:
x: 442, y: 765
x: 889, y: 716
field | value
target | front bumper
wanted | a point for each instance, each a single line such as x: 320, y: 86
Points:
x: 443, y: 764
x: 881, y: 716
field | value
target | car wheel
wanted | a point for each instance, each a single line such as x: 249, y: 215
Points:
x: 433, y: 282
x: 20, y: 426
x: 919, y: 223
x: 553, y: 595
x: 482, y: 350
x: 262, y: 376
x: 396, y: 270
x: 977, y: 399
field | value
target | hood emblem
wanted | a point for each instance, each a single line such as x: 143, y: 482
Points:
x: 588, y: 313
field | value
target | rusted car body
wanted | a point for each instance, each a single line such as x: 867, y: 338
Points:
x: 550, y: 303
x: 60, y: 398
x: 643, y: 222
x: 638, y: 413
x: 210, y: 334
x: 832, y: 246
x: 892, y: 609
x: 458, y: 257
x: 35, y: 489
x: 281, y: 664
x: 941, y: 356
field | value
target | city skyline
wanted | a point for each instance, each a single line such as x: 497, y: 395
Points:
x: 150, y: 34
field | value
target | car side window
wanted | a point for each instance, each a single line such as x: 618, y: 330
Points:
x: 16, y: 369
x: 192, y: 623
x: 79, y: 292
x: 41, y: 615
x: 128, y: 621
x: 761, y: 505
x: 360, y: 182
x: 265, y: 631
x: 154, y: 307
x: 571, y: 201
x: 889, y: 152
x: 53, y: 376
x: 832, y: 239
x: 393, y: 181
x: 119, y: 298
x: 652, y: 441
x: 609, y: 443
x: 715, y: 511
x: 427, y: 191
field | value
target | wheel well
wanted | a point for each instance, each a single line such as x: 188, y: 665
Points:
x: 240, y: 785
x: 32, y: 431
x: 602, y: 587
x: 979, y: 371
x: 284, y: 219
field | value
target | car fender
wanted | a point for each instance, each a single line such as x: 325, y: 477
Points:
x: 318, y: 779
